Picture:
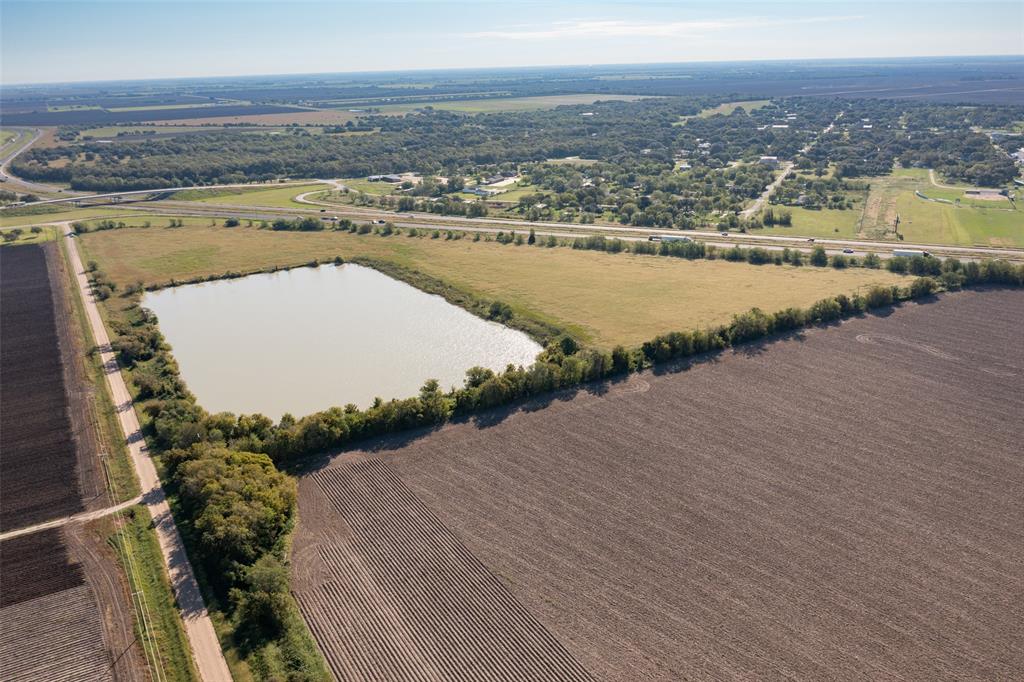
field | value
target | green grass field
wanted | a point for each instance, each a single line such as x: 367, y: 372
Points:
x: 813, y: 223
x: 7, y: 136
x: 515, y: 192
x: 974, y: 222
x: 603, y: 298
x: 366, y: 187
x: 280, y: 197
x: 483, y: 106
x: 47, y: 234
x: 57, y: 215
x: 725, y: 109
x: 728, y: 107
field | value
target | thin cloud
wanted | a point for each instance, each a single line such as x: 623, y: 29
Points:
x: 646, y: 29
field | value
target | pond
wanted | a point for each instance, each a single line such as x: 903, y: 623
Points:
x: 307, y: 339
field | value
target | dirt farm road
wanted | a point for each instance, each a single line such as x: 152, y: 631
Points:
x: 202, y: 638
x: 76, y: 518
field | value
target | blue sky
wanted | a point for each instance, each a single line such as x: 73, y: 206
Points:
x: 44, y: 41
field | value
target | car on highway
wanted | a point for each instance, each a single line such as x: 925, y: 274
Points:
x: 725, y: 234
x: 847, y: 250
x: 811, y: 239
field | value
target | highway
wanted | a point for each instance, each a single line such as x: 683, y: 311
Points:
x: 494, y: 225
x: 488, y: 224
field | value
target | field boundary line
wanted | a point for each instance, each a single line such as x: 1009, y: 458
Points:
x: 202, y: 638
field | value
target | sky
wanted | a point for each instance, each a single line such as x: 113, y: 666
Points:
x: 87, y: 40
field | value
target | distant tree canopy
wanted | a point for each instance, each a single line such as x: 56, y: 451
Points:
x: 639, y: 141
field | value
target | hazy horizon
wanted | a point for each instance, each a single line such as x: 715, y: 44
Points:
x: 514, y: 67
x: 43, y: 42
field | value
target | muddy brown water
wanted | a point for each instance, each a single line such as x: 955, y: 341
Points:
x: 311, y: 338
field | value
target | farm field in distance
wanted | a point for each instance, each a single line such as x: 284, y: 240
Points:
x: 604, y: 298
x: 495, y: 104
x: 842, y: 503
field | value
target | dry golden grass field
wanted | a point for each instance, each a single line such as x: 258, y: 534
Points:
x: 603, y: 298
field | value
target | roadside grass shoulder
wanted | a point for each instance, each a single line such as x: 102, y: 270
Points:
x: 50, y: 214
x: 137, y: 537
x: 280, y: 197
x: 102, y: 411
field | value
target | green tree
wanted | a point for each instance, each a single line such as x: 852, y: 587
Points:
x: 818, y: 257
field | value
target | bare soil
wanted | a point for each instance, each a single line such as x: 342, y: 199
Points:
x: 50, y: 469
x: 844, y: 503
x: 38, y: 470
x: 392, y: 594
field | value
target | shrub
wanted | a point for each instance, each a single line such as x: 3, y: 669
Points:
x: 818, y: 257
x: 879, y: 297
x: 923, y: 286
x: 825, y: 310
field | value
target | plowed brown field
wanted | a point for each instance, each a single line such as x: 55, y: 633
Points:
x: 38, y: 469
x: 50, y: 624
x: 397, y: 597
x: 65, y: 612
x: 848, y: 503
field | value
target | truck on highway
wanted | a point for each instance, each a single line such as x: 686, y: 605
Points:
x: 668, y: 238
x: 910, y: 253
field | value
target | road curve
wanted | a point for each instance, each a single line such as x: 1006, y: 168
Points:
x: 202, y: 637
x: 10, y: 153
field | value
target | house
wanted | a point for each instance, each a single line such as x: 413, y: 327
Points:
x: 384, y: 178
x: 780, y: 125
x: 772, y: 161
